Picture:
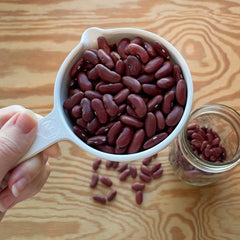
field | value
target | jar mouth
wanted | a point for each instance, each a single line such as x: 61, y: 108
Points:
x: 227, y: 114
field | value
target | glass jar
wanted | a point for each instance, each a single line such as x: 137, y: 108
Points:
x: 194, y: 170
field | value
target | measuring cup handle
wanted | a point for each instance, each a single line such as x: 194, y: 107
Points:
x: 49, y: 131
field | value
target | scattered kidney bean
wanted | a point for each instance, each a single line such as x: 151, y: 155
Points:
x: 108, y: 163
x: 124, y: 174
x: 99, y: 198
x: 158, y: 173
x: 94, y: 181
x: 96, y: 163
x: 137, y: 186
x: 155, y: 167
x: 144, y: 177
x: 133, y: 171
x: 146, y: 170
x: 111, y: 195
x: 126, y: 97
x: 147, y: 161
x: 139, y: 197
x: 122, y: 167
x: 106, y: 180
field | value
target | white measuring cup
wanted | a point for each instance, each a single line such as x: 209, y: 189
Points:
x: 56, y: 126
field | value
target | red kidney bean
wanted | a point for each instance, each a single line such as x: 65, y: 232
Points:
x: 164, y: 70
x: 115, y: 56
x: 138, y: 105
x: 150, y: 49
x: 92, y: 74
x: 158, y: 173
x: 160, y: 120
x: 97, y: 140
x: 174, y: 116
x: 84, y: 82
x: 131, y: 112
x: 197, y: 136
x: 137, y: 50
x: 131, y: 121
x: 133, y: 66
x: 150, y: 124
x: 166, y: 82
x: 191, y: 126
x: 146, y: 170
x: 121, y: 96
x: 99, y: 198
x: 153, y: 65
x: 132, y: 84
x: 115, y: 165
x: 90, y: 57
x: 137, y: 186
x: 98, y: 107
x: 93, y: 125
x: 104, y: 129
x: 105, y: 148
x: 92, y: 94
x: 162, y: 51
x: 105, y: 59
x: 103, y: 44
x: 80, y: 133
x: 94, y: 181
x: 145, y: 78
x: 155, y: 167
x: 139, y: 197
x: 77, y: 111
x: 144, y: 177
x: 168, y: 101
x: 108, y: 163
x: 114, y: 132
x: 106, y: 181
x: 177, y: 72
x: 151, y: 89
x: 87, y: 113
x: 111, y: 195
x: 122, y: 46
x: 106, y: 74
x: 215, y: 142
x: 110, y: 88
x: 79, y: 63
x: 122, y: 167
x: 137, y: 141
x: 110, y: 106
x: 96, y: 163
x: 181, y: 92
x: 155, y: 140
x: 133, y: 171
x: 137, y: 40
x: 124, y: 174
x: 120, y: 67
x: 124, y: 137
x: 154, y: 103
x: 147, y: 161
x: 73, y: 100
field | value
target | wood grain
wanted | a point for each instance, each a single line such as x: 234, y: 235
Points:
x: 36, y: 36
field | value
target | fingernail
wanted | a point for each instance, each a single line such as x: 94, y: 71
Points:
x: 19, y: 186
x: 6, y: 200
x: 27, y: 121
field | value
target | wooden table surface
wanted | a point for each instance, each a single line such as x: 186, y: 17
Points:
x: 36, y: 36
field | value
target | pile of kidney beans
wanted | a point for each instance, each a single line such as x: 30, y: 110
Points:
x: 125, y: 97
x: 149, y: 170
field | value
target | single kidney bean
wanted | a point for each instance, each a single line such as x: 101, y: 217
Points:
x: 114, y: 132
x: 155, y: 140
x: 105, y: 148
x: 122, y: 167
x: 93, y: 125
x: 96, y: 163
x: 153, y: 65
x: 139, y: 197
x: 97, y: 140
x: 76, y: 67
x: 133, y: 66
x: 120, y: 150
x: 92, y: 74
x: 110, y: 88
x: 104, y: 129
x: 123, y: 176
x: 145, y: 78
x: 124, y: 137
x: 137, y: 40
x: 115, y: 56
x: 106, y: 180
x: 147, y: 161
x: 164, y: 70
x: 154, y: 103
x: 98, y: 107
x: 166, y: 82
x: 77, y: 111
x: 144, y: 177
x: 111, y: 195
x: 115, y: 165
x: 177, y: 72
x: 151, y: 89
x: 149, y: 48
x: 132, y: 83
x: 120, y: 67
x: 122, y: 46
x: 181, y: 92
x: 146, y: 170
x: 160, y: 120
x: 158, y: 173
x: 121, y: 96
x: 103, y: 44
x: 155, y: 167
x: 108, y: 163
x: 105, y: 59
x: 73, y: 100
x: 131, y: 112
x: 90, y: 57
x: 131, y: 121
x: 150, y: 124
x: 90, y: 94
x: 83, y: 82
x: 80, y: 122
x: 168, y: 101
x: 133, y: 171
x: 110, y: 106
x: 87, y: 66
x: 94, y: 181
x: 137, y: 141
x: 137, y: 186
x: 174, y: 116
x: 80, y: 133
x: 106, y: 74
x: 162, y: 51
x: 138, y: 105
x: 87, y: 113
x: 137, y: 50
x: 99, y: 198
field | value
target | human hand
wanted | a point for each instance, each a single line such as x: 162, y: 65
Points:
x: 18, y: 182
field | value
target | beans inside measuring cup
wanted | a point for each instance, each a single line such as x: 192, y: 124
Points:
x: 125, y: 97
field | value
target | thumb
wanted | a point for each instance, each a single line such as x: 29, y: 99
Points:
x: 16, y: 136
